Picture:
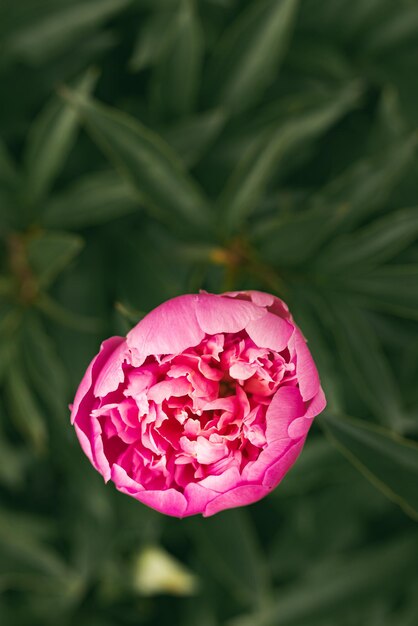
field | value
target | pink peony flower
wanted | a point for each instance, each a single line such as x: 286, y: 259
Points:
x: 204, y: 406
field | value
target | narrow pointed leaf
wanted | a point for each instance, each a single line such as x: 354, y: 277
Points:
x: 248, y: 182
x: 24, y: 409
x: 50, y: 141
x: 373, y: 245
x: 49, y: 253
x: 230, y: 549
x: 351, y: 579
x: 177, y: 74
x: 150, y: 166
x: 95, y: 199
x: 249, y: 55
x: 388, y: 288
x: 55, y: 30
x: 362, y: 356
x: 388, y: 460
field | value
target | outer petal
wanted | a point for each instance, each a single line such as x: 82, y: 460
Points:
x: 239, y: 496
x: 270, y: 331
x: 278, y: 470
x: 306, y: 371
x: 218, y: 314
x: 92, y: 372
x: 169, y: 329
x: 168, y: 501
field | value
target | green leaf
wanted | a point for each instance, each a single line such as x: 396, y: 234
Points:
x: 177, y: 74
x: 329, y: 593
x: 50, y: 140
x: 192, y: 136
x: 291, y: 239
x: 156, y: 35
x: 44, y: 367
x: 361, y: 190
x: 229, y: 548
x: 92, y: 200
x: 248, y: 182
x: 398, y: 30
x: 147, y: 162
x: 362, y: 356
x: 55, y: 311
x: 57, y: 29
x: 24, y: 408
x: 8, y: 171
x: 389, y: 288
x: 389, y: 461
x: 250, y: 52
x: 50, y: 252
x: 371, y: 246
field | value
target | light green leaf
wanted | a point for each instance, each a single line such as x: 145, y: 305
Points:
x: 24, y: 408
x: 248, y: 182
x: 362, y: 356
x: 147, y: 162
x: 94, y: 199
x: 374, y: 244
x: 50, y: 252
x: 250, y: 52
x: 392, y: 288
x: 177, y: 74
x: 50, y: 140
x: 56, y: 30
x: 340, y: 584
x: 389, y: 461
x: 229, y: 548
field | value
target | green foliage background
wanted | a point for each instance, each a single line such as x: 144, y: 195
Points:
x: 155, y: 147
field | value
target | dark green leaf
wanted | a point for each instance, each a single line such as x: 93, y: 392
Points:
x: 389, y: 461
x: 50, y: 140
x: 389, y: 288
x: 24, y: 408
x: 95, y: 199
x: 44, y: 367
x: 250, y: 53
x: 371, y: 246
x: 362, y: 357
x: 178, y: 70
x: 56, y: 30
x: 147, y: 162
x: 191, y: 138
x: 229, y: 547
x: 340, y: 584
x: 252, y: 174
x: 50, y: 252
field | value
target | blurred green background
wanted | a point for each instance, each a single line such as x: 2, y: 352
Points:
x: 156, y: 147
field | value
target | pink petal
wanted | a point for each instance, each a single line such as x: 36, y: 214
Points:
x: 106, y: 349
x: 218, y: 314
x: 111, y: 373
x: 300, y: 426
x: 240, y: 496
x: 287, y: 405
x: 277, y: 470
x: 306, y: 371
x: 270, y: 331
x: 169, y: 329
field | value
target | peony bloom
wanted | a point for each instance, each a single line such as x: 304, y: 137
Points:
x: 204, y: 406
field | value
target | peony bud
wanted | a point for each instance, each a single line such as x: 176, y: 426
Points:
x: 204, y: 406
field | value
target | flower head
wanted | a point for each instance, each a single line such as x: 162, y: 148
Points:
x: 204, y: 406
